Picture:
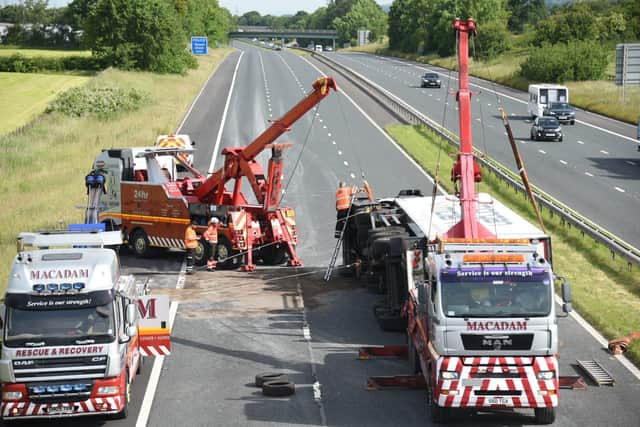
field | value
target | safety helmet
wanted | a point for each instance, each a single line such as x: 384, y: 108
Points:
x: 214, y: 220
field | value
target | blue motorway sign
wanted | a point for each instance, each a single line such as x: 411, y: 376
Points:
x: 199, y: 45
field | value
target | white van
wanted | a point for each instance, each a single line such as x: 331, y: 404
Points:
x: 318, y: 48
x: 542, y: 95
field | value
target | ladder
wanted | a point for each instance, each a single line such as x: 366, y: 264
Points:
x: 95, y: 188
x: 596, y: 372
x: 336, y: 250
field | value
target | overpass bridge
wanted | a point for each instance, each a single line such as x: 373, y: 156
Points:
x: 312, y: 36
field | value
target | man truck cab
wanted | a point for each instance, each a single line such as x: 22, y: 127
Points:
x: 542, y: 95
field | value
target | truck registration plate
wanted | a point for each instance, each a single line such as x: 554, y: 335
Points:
x: 494, y: 400
x: 60, y: 410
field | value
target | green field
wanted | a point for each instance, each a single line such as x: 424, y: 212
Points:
x: 43, y: 52
x: 605, y: 292
x: 25, y: 96
x: 42, y: 167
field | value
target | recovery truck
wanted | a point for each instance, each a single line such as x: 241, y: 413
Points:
x: 152, y: 206
x: 74, y: 329
x: 469, y: 280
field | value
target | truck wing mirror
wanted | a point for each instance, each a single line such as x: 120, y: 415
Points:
x: 566, y: 296
x: 132, y: 331
x: 132, y: 311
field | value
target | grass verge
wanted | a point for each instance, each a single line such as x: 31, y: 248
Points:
x: 25, y: 96
x: 604, y: 291
x: 42, y: 168
x: 49, y: 53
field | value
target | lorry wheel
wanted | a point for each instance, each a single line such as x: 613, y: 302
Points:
x: 440, y: 415
x: 140, y: 243
x: 270, y: 376
x: 273, y: 254
x: 278, y: 388
x: 201, y: 254
x: 226, y: 258
x: 545, y: 415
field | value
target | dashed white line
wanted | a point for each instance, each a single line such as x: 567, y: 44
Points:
x: 588, y: 174
x: 542, y: 151
x: 604, y: 152
x: 563, y: 162
x: 619, y: 189
x: 580, y: 142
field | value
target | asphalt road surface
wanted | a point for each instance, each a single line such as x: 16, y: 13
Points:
x: 595, y: 170
x: 230, y: 326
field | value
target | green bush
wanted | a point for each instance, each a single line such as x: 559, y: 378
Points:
x: 103, y: 102
x: 579, y: 60
x: 492, y: 40
x: 19, y: 63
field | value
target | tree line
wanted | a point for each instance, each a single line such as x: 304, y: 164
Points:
x: 148, y: 35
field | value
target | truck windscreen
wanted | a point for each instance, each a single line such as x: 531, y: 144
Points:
x: 31, y: 328
x: 486, y: 292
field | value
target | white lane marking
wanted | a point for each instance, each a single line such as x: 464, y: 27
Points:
x: 619, y: 189
x: 216, y: 146
x: 580, y: 142
x: 353, y: 176
x: 346, y: 163
x: 542, y: 151
x: 601, y: 340
x: 382, y: 131
x: 588, y: 174
x: 339, y: 153
x: 563, y: 162
x: 154, y: 377
x: 604, y: 152
x: 504, y: 95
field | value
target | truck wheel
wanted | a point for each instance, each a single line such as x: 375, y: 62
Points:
x: 140, y: 243
x: 226, y: 258
x: 545, y: 415
x: 278, y: 388
x: 273, y: 254
x: 270, y: 376
x: 440, y: 415
x: 201, y: 254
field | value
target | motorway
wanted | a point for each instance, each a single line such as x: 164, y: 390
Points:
x: 230, y: 326
x: 595, y: 168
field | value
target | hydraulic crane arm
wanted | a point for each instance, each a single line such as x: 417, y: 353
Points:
x: 238, y: 161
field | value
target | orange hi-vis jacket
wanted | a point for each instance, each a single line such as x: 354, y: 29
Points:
x: 211, y: 234
x: 190, y: 238
x: 343, y: 198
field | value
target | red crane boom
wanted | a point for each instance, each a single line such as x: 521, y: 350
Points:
x: 466, y: 170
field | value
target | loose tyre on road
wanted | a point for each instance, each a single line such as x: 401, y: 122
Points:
x: 278, y: 388
x: 270, y: 376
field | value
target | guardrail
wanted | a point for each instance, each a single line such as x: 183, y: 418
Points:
x: 615, y: 244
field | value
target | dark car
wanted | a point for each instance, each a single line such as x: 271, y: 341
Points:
x: 546, y: 128
x: 430, y: 80
x: 562, y: 111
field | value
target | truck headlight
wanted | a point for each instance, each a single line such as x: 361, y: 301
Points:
x: 449, y: 375
x: 110, y: 389
x: 546, y: 375
x: 11, y: 395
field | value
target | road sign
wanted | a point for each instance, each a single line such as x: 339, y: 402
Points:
x: 199, y: 45
x: 628, y: 64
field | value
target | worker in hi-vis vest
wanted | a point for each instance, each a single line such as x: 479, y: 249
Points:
x: 211, y: 237
x: 191, y: 242
x: 344, y: 195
